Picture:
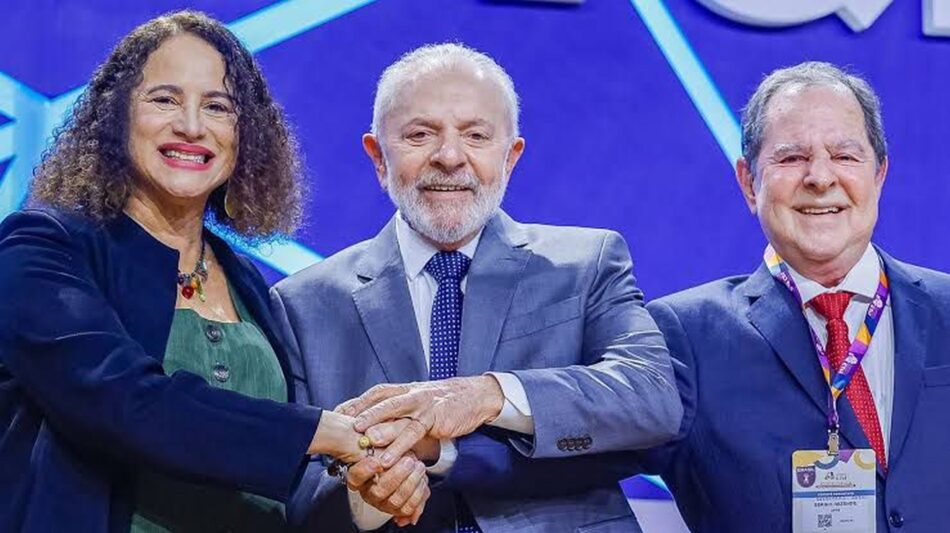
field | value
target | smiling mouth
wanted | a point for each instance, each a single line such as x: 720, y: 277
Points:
x: 201, y: 159
x: 819, y: 210
x: 445, y: 188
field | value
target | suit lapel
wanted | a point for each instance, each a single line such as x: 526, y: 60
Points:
x: 385, y: 308
x: 143, y: 266
x: 911, y: 311
x: 492, y: 280
x: 851, y: 430
x: 779, y: 319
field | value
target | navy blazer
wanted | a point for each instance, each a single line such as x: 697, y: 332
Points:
x: 84, y: 318
x: 754, y: 393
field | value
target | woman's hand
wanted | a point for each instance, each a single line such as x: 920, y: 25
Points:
x: 336, y: 437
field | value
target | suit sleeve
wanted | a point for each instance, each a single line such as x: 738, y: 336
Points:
x: 625, y: 397
x: 68, y: 350
x: 489, y: 466
x: 486, y: 463
x: 659, y: 460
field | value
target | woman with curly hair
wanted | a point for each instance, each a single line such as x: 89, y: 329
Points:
x: 142, y: 383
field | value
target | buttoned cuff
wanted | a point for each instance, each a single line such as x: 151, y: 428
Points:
x: 516, y: 412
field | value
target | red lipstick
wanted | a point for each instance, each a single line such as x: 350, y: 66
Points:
x: 186, y: 156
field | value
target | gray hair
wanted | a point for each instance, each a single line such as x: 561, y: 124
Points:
x: 806, y: 74
x: 434, y: 57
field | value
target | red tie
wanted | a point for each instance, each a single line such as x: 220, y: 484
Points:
x: 832, y: 306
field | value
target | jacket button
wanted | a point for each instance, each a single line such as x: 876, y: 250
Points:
x: 587, y: 441
x: 213, y: 333
x: 896, y: 519
x: 221, y: 372
x: 562, y: 445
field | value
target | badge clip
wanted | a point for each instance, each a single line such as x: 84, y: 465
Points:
x: 834, y: 445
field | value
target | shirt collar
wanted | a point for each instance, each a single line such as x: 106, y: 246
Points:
x: 416, y: 250
x: 861, y: 280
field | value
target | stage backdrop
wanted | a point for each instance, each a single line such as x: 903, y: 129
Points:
x: 629, y: 108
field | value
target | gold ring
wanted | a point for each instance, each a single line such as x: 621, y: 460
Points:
x: 364, y: 442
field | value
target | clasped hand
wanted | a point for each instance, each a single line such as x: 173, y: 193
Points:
x: 409, y: 420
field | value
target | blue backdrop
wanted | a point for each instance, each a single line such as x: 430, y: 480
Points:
x: 629, y: 107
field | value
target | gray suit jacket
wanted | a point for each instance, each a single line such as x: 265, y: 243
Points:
x: 557, y: 307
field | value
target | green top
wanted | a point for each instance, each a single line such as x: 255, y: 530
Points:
x: 230, y: 355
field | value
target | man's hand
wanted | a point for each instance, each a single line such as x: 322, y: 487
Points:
x: 428, y: 450
x: 442, y: 409
x: 401, y: 491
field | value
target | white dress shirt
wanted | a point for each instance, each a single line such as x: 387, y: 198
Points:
x: 878, y: 363
x: 516, y: 412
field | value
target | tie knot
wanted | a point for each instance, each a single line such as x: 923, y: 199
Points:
x: 831, y: 305
x: 448, y: 266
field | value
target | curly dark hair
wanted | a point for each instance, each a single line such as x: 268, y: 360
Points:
x: 88, y: 168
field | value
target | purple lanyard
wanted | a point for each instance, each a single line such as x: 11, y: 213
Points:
x: 838, y: 381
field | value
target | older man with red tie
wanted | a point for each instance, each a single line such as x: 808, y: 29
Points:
x: 815, y: 388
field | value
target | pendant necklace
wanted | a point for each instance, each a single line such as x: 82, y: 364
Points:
x: 194, y: 282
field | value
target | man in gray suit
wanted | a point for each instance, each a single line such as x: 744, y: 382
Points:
x: 560, y: 358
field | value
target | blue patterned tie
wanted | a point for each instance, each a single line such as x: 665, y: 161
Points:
x: 448, y: 268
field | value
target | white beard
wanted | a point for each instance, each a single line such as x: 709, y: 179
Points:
x: 436, y: 222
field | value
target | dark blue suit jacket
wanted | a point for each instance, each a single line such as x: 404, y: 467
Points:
x: 753, y: 393
x: 85, y: 314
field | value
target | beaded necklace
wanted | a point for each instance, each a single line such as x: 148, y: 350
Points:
x: 194, y: 282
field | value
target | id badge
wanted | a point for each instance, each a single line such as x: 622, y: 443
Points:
x: 833, y: 494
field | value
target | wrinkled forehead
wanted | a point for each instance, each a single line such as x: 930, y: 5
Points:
x: 815, y: 108
x: 450, y: 93
x: 797, y: 98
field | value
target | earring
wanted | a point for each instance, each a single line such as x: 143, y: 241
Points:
x: 229, y: 208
